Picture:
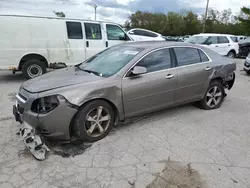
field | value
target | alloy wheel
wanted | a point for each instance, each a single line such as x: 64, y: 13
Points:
x: 97, y: 121
x: 214, y: 96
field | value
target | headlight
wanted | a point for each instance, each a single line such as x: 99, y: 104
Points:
x: 45, y: 104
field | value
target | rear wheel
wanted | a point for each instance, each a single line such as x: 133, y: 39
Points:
x: 94, y: 121
x: 231, y: 54
x: 33, y: 68
x: 214, y: 96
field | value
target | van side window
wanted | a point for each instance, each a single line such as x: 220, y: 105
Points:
x: 74, y: 30
x: 93, y: 31
x: 115, y: 33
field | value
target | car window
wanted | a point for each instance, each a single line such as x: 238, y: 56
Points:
x: 149, y: 34
x: 187, y: 56
x: 156, y: 61
x: 138, y: 32
x: 212, y: 40
x: 115, y: 33
x: 222, y: 40
x: 203, y: 56
x: 234, y: 39
x: 74, y: 30
x: 93, y: 31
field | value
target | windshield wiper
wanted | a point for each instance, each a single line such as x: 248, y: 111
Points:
x: 90, y: 71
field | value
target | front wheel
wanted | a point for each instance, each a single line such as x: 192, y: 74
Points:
x: 94, y: 121
x: 214, y: 96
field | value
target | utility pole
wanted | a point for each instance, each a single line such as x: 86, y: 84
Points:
x: 95, y: 6
x: 204, y: 25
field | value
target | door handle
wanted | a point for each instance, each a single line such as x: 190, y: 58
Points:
x: 107, y: 44
x: 169, y: 76
x: 229, y: 45
x: 216, y: 46
x: 87, y: 44
x: 207, y: 68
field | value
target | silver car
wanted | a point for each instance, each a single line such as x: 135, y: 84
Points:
x: 132, y: 79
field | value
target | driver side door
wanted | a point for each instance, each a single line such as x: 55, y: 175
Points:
x: 153, y: 90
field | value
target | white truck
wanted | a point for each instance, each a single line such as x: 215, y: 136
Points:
x: 32, y: 44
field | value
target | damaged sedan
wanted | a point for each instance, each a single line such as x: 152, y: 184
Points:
x: 84, y: 102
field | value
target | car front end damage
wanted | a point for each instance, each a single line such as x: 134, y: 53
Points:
x: 42, y: 116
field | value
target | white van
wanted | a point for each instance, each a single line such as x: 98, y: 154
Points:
x: 33, y: 44
x: 223, y: 44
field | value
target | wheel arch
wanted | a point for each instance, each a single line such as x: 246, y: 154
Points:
x: 30, y: 56
x: 114, y: 107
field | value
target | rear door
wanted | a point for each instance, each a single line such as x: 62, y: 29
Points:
x: 153, y: 90
x: 193, y: 70
x: 75, y: 43
x: 114, y: 35
x: 224, y: 45
x: 213, y: 44
x: 95, y: 41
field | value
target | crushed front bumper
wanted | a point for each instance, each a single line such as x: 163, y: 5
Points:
x: 34, y: 142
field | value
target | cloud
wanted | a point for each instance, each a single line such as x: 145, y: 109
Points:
x: 108, y: 3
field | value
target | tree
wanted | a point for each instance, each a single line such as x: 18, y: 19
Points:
x: 244, y: 18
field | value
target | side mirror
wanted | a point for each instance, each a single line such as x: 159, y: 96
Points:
x: 138, y: 70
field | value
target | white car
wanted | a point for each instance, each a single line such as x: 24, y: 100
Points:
x: 221, y: 43
x: 144, y: 35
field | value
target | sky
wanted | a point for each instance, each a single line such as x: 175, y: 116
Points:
x: 112, y: 10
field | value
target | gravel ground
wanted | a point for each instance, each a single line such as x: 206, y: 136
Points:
x: 183, y: 147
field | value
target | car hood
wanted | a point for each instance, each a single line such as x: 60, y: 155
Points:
x: 59, y: 78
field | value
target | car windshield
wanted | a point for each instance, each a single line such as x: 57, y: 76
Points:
x: 110, y: 61
x: 197, y: 39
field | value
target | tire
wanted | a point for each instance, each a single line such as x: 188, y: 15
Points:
x: 231, y: 54
x: 33, y: 68
x: 88, y: 130
x: 204, y: 103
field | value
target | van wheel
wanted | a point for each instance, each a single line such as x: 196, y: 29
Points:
x: 231, y: 54
x: 214, y: 96
x: 33, y: 68
x: 93, y: 121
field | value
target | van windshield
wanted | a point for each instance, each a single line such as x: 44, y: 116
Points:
x: 197, y: 39
x: 110, y: 61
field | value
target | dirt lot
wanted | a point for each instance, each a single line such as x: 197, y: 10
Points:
x: 184, y: 147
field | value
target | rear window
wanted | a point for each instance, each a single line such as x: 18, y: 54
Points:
x: 222, y: 39
x: 74, y: 30
x: 203, y: 56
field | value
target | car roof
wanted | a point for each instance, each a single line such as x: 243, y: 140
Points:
x: 158, y: 44
x: 144, y: 30
x: 213, y: 34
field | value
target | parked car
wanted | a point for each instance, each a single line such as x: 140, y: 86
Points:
x: 244, y: 47
x: 121, y: 82
x: 220, y: 43
x: 31, y: 44
x: 144, y: 35
x: 247, y: 64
